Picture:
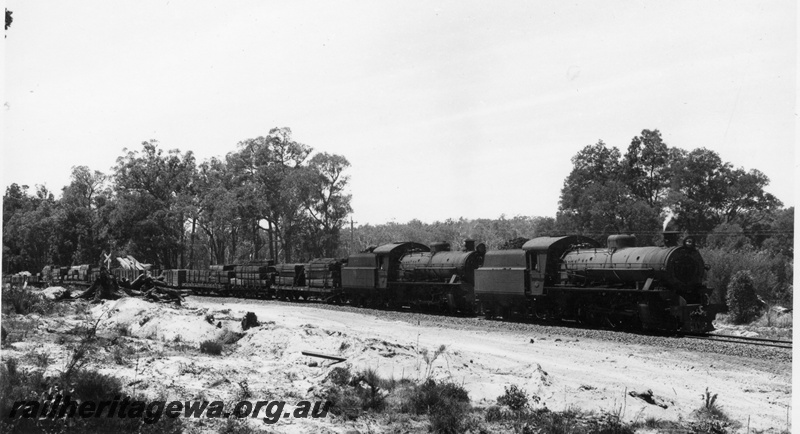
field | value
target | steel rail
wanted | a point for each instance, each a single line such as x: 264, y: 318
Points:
x: 743, y: 340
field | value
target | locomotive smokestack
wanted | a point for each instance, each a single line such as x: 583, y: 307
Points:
x: 469, y: 245
x: 671, y: 238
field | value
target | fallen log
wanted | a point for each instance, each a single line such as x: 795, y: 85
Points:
x: 323, y: 356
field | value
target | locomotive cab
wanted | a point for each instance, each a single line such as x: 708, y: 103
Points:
x: 367, y: 275
x: 544, y: 257
x: 517, y: 282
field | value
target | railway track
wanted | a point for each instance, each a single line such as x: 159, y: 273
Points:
x: 776, y: 343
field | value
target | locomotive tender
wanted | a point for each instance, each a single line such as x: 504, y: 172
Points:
x: 569, y: 278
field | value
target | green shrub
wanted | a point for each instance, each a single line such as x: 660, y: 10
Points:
x: 81, y: 385
x: 211, y: 347
x: 17, y: 384
x: 349, y: 397
x: 772, y: 274
x: 515, y: 398
x: 235, y: 425
x: 250, y: 320
x: 447, y: 404
x: 743, y: 304
x: 93, y: 386
x: 611, y: 423
x: 344, y: 402
x: 431, y: 395
x: 449, y: 417
x: 372, y: 397
x: 494, y: 414
x: 23, y: 301
x: 710, y: 416
x: 710, y: 409
x: 339, y: 376
x: 709, y: 426
x: 546, y: 421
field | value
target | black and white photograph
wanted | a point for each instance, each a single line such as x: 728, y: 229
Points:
x: 351, y: 217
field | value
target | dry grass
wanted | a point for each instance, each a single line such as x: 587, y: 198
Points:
x: 771, y: 324
x: 774, y: 319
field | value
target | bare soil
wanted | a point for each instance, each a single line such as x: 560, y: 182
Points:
x: 154, y: 348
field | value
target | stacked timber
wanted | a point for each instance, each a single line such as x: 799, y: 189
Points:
x: 290, y: 275
x: 94, y: 273
x: 21, y: 278
x: 221, y: 274
x: 55, y: 274
x: 175, y: 278
x: 197, y: 276
x: 251, y: 275
x: 80, y: 273
x: 323, y: 272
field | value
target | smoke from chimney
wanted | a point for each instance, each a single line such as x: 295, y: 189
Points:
x: 670, y: 216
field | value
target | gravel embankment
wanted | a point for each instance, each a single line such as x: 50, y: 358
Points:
x: 547, y: 331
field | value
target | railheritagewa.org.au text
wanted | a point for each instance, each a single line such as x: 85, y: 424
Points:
x: 58, y: 407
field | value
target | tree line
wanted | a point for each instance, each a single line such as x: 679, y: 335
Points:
x: 649, y: 188
x: 272, y: 197
x: 275, y: 198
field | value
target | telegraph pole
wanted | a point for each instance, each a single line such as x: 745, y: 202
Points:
x: 352, y: 237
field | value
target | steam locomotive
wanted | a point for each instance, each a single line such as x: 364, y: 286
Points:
x: 413, y: 274
x: 569, y: 278
x: 620, y: 285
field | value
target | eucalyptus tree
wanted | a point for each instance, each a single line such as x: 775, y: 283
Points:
x: 151, y: 187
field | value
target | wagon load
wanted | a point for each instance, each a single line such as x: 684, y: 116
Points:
x: 175, y: 278
x: 196, y: 276
x: 323, y: 273
x: 21, y: 278
x: 250, y: 275
x: 56, y: 273
x: 290, y: 274
x: 221, y: 274
x: 79, y: 272
x: 125, y: 274
x: 130, y: 263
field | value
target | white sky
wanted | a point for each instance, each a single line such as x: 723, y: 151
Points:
x: 444, y: 109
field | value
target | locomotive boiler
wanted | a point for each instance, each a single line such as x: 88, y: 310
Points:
x: 680, y: 268
x: 442, y: 278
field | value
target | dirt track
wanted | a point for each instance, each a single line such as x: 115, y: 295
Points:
x: 592, y: 375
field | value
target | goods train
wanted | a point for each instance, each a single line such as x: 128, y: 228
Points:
x: 570, y: 278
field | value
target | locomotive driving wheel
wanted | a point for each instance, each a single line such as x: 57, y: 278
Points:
x: 588, y: 317
x: 540, y: 311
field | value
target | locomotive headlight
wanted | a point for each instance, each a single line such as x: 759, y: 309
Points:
x: 688, y: 243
